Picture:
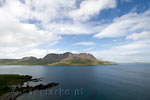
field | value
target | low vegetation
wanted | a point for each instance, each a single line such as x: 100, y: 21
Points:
x: 57, y: 59
x: 11, y: 86
x: 8, y: 80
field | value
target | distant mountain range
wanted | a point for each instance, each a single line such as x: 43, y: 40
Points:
x: 57, y: 59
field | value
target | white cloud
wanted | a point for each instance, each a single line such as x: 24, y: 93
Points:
x: 13, y: 32
x: 46, y: 25
x: 17, y: 53
x: 48, y: 10
x: 49, y: 19
x: 133, y: 26
x: 85, y: 43
x: 20, y: 37
x: 89, y: 8
x: 67, y: 28
x: 138, y: 51
x: 16, y: 31
x: 141, y: 44
x: 126, y: 24
x: 20, y: 34
x: 137, y: 36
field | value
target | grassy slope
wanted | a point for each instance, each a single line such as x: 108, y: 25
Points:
x: 81, y: 59
x: 68, y: 62
x: 7, y: 80
x: 81, y: 63
x: 17, y: 62
x: 58, y: 59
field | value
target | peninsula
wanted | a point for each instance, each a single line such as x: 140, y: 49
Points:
x: 52, y: 59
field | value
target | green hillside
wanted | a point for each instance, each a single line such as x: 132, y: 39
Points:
x: 57, y: 59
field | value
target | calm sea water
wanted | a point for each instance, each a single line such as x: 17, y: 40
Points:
x: 108, y: 82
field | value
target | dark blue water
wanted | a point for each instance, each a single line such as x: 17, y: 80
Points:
x: 107, y: 82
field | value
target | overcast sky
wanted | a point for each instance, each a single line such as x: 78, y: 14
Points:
x: 113, y: 30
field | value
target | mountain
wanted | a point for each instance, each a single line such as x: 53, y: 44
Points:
x: 57, y: 59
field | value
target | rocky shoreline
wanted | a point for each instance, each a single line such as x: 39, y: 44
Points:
x: 19, y: 89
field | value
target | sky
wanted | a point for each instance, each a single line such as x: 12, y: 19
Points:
x: 111, y: 30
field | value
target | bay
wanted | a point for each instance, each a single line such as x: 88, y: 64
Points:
x: 103, y: 82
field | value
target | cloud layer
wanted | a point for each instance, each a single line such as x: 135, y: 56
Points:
x: 27, y: 25
x: 134, y: 27
x: 85, y: 43
x: 126, y: 24
x: 89, y: 8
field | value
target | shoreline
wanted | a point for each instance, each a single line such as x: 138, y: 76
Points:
x: 18, y: 89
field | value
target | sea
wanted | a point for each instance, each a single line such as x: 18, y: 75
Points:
x: 102, y: 82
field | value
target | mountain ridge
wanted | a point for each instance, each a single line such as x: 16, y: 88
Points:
x: 53, y: 59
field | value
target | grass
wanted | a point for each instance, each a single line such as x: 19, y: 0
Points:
x: 80, y: 63
x: 8, y: 80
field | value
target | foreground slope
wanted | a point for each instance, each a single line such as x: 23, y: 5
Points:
x: 57, y: 59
